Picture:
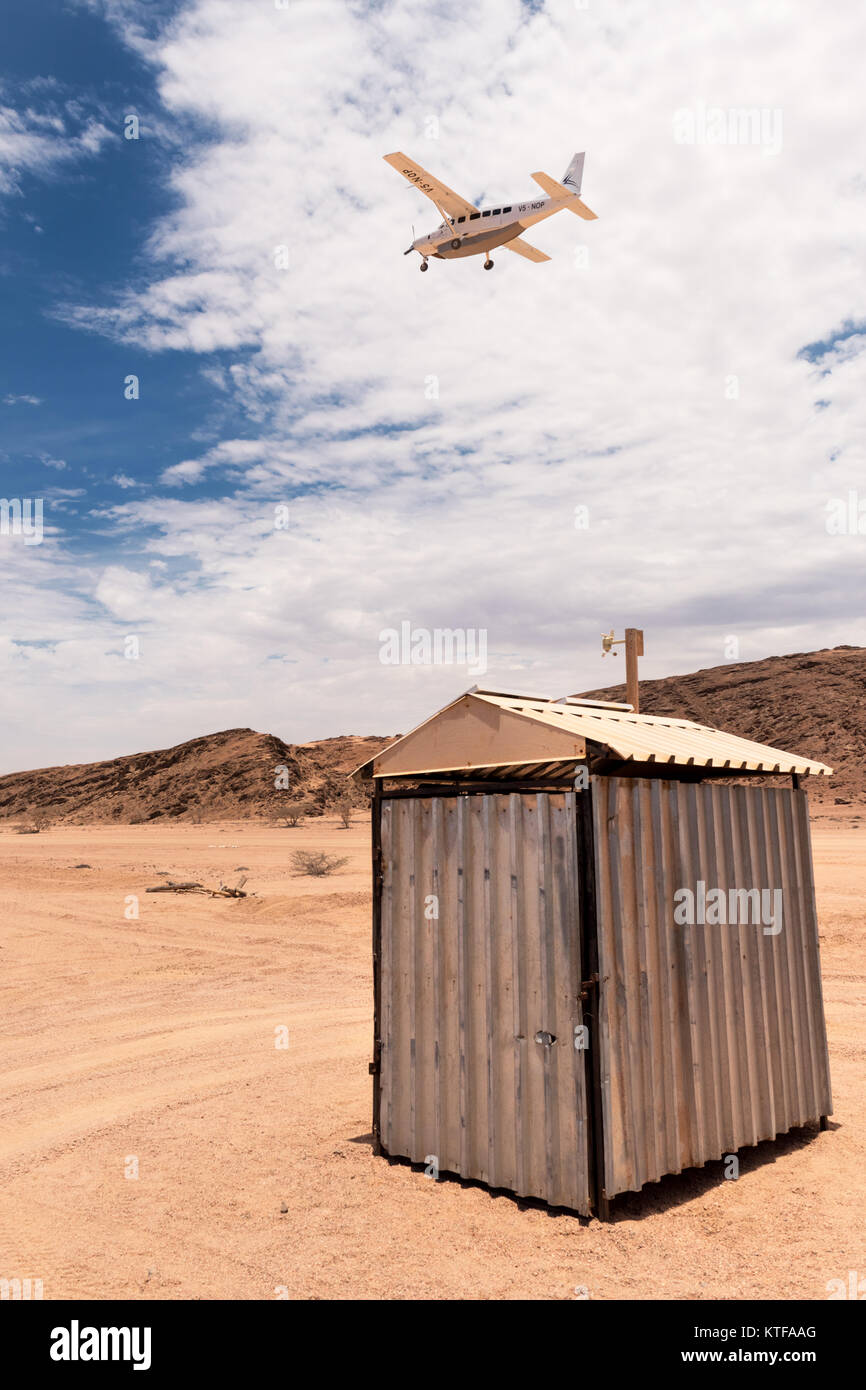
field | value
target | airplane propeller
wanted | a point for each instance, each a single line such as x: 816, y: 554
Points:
x: 412, y: 247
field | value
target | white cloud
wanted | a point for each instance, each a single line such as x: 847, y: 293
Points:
x: 228, y: 452
x: 432, y: 435
x: 40, y: 142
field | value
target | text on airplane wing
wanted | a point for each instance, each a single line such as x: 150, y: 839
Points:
x: 439, y: 193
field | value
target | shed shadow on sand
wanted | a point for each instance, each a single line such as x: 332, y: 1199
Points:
x: 672, y: 1191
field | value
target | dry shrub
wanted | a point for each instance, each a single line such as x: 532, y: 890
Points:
x: 343, y: 808
x: 318, y: 864
x: 294, y: 813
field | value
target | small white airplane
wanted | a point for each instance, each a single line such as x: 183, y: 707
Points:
x: 458, y: 235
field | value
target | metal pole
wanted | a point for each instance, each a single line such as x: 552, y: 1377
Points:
x: 633, y: 649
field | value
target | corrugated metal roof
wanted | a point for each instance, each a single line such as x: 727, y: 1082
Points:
x: 657, y: 738
x: 637, y: 738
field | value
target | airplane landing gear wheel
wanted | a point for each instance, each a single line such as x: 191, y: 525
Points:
x: 488, y: 264
x: 455, y: 245
x: 423, y: 265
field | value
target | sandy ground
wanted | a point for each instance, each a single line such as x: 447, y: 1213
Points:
x: 153, y: 1039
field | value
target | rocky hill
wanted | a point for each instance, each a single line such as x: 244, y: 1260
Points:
x: 217, y: 777
x: 812, y: 703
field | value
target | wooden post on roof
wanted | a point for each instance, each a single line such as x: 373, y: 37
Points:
x: 633, y: 649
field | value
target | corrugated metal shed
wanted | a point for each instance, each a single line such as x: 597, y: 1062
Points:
x: 512, y: 735
x: 543, y: 1020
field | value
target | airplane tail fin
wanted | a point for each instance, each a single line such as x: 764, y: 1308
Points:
x: 553, y: 189
x: 573, y: 176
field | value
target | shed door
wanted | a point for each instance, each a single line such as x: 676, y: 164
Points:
x: 482, y: 1059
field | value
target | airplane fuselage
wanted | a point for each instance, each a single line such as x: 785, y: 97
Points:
x: 466, y: 230
x: 477, y: 233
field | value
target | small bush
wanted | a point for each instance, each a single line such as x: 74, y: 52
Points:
x: 294, y: 813
x: 343, y: 807
x: 317, y: 865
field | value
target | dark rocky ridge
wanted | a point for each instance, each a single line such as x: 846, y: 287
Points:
x: 812, y: 703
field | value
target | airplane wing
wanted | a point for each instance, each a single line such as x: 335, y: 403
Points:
x: 445, y: 198
x: 523, y: 248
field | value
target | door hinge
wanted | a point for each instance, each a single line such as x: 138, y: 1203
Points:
x: 587, y: 985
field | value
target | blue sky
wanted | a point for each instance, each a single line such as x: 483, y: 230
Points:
x: 687, y: 369
x: 73, y: 233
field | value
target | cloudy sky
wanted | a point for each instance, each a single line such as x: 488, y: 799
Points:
x: 260, y: 438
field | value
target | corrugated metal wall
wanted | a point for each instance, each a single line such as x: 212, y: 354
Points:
x: 713, y: 1036
x: 464, y: 994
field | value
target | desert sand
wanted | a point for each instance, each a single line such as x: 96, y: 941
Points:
x: 148, y: 1043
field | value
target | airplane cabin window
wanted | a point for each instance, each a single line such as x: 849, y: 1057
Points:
x: 461, y: 219
x: 486, y: 212
x: 496, y: 212
x: 473, y: 215
x: 506, y: 209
